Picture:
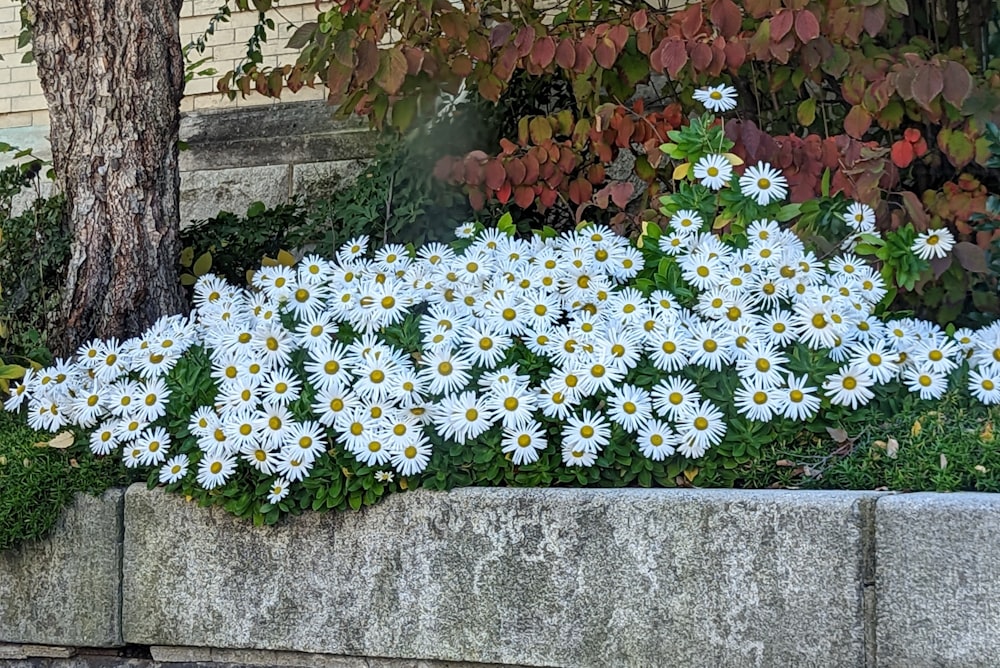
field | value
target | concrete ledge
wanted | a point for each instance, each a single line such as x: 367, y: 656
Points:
x: 554, y: 577
x: 66, y: 589
x: 938, y: 575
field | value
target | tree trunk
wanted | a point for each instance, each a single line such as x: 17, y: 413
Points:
x: 113, y: 76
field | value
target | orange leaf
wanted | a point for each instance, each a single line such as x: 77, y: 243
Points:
x: 902, y: 153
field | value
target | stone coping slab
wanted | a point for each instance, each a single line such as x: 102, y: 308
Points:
x: 66, y: 589
x: 938, y: 575
x: 536, y: 577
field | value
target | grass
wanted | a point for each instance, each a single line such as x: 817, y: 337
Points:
x: 950, y: 445
x: 946, y: 446
x: 37, y: 482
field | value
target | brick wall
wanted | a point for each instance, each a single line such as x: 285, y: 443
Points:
x: 22, y: 103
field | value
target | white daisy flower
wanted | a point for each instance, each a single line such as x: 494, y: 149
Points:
x: 850, y: 386
x: 933, y: 244
x: 214, y: 471
x: 717, y: 98
x: 630, y: 407
x: 411, y: 458
x: 763, y: 184
x: 699, y: 427
x: 174, y: 469
x: 656, y: 440
x: 588, y: 431
x: 801, y: 402
x: 925, y: 380
x: 523, y: 444
x: 713, y: 171
x: 278, y: 491
x: 984, y: 384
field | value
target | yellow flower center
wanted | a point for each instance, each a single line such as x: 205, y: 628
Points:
x: 796, y: 396
x: 700, y: 423
x: 472, y: 415
x: 850, y: 383
x: 216, y: 467
x: 763, y: 183
x: 510, y: 403
x: 524, y: 440
x: 587, y: 431
x: 629, y: 408
x: 410, y: 452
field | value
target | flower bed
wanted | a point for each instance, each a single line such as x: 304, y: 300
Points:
x: 576, y: 358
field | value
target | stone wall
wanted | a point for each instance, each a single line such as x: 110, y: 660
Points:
x: 234, y: 157
x: 518, y: 577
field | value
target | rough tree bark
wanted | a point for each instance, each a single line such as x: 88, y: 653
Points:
x: 113, y: 76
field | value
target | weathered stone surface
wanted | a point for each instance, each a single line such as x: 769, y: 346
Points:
x: 554, y: 577
x: 320, y: 179
x: 65, y: 590
x: 298, y: 132
x: 938, y: 580
x: 204, y: 193
x: 20, y: 651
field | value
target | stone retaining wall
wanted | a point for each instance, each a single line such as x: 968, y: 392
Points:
x: 529, y: 577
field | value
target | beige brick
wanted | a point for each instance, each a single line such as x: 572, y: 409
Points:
x: 10, y: 13
x: 22, y: 72
x: 200, y: 86
x: 243, y: 19
x: 28, y: 103
x: 4, y: 105
x: 228, y: 52
x: 187, y: 104
x: 36, y: 87
x: 40, y: 117
x: 4, y: 77
x: 8, y: 45
x: 203, y: 7
x: 18, y: 120
x: 17, y: 89
x: 210, y: 102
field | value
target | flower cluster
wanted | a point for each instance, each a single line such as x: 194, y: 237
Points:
x: 555, y: 341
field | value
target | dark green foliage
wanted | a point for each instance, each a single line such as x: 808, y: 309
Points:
x: 34, y: 250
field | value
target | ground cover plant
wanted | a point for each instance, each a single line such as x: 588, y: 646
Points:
x: 574, y: 358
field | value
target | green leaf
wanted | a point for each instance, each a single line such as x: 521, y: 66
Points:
x: 203, y: 264
x: 788, y: 212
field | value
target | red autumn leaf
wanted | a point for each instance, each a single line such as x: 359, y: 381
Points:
x: 507, y: 146
x: 781, y: 23
x: 504, y: 193
x: 584, y: 58
x: 644, y: 42
x: 596, y: 174
x: 971, y: 257
x: 500, y: 33
x: 566, y: 54
x: 477, y: 199
x: 912, y: 135
x: 806, y: 25
x: 927, y: 84
x: 691, y: 20
x: 621, y: 193
x: 580, y: 190
x: 524, y: 196
x: 674, y: 57
x: 857, y: 122
x: 874, y: 19
x: 524, y: 41
x: 516, y: 171
x: 736, y: 55
x: 701, y: 56
x: 547, y: 197
x: 414, y: 60
x: 726, y: 17
x: 605, y: 53
x: 530, y: 169
x: 494, y: 174
x: 902, y: 153
x: 920, y: 147
x: 367, y: 61
x: 958, y: 84
x: 618, y: 36
x: 543, y: 52
x: 640, y: 19
x: 462, y: 65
